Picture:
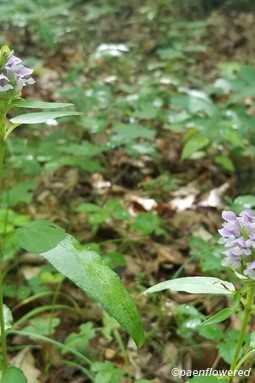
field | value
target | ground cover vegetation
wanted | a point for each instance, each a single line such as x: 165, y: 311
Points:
x: 163, y: 143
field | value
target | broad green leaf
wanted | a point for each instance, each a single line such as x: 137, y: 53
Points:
x: 227, y: 345
x: 245, y: 202
x: 194, y: 144
x: 40, y: 236
x: 33, y: 104
x: 147, y: 223
x: 114, y: 259
x: 43, y: 326
x: 232, y: 136
x: 106, y: 372
x: 195, y: 285
x: 211, y: 332
x: 13, y: 375
x: 227, y: 349
x: 80, y: 340
x: 198, y: 101
x: 86, y: 269
x: 40, y: 117
x: 88, y: 207
x: 21, y: 192
x: 124, y: 134
x: 225, y: 162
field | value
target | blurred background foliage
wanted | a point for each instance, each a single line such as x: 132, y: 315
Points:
x: 165, y: 141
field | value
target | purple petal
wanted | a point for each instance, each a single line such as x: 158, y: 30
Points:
x: 25, y: 71
x: 248, y: 214
x: 241, y: 241
x: 13, y: 60
x: 229, y: 215
x: 251, y: 265
x: 226, y: 233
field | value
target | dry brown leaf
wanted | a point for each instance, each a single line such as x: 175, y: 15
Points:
x: 26, y: 362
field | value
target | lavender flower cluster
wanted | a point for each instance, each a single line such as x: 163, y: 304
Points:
x: 13, y: 74
x: 238, y: 236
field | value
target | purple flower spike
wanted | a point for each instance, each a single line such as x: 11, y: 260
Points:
x: 238, y: 237
x: 13, y: 74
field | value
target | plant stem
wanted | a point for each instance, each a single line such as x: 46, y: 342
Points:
x: 2, y: 324
x: 246, y: 318
x: 243, y: 359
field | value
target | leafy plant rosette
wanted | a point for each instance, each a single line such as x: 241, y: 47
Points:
x: 238, y: 238
x: 85, y: 268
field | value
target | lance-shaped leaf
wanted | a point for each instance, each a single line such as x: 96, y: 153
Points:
x: 40, y: 117
x: 195, y: 285
x: 86, y: 269
x: 33, y: 104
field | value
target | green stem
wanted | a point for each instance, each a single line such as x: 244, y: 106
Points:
x: 2, y: 327
x: 243, y: 359
x: 61, y: 346
x: 2, y: 324
x: 246, y: 318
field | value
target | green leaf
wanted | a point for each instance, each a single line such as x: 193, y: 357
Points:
x: 106, y: 372
x: 211, y: 332
x: 40, y: 117
x: 195, y: 143
x: 232, y: 137
x: 79, y: 341
x: 199, y: 102
x: 33, y: 104
x: 21, y: 192
x: 13, y: 374
x: 225, y: 162
x: 195, y: 285
x: 88, y: 207
x: 225, y: 313
x: 44, y: 326
x: 86, y: 269
x: 219, y: 317
x: 208, y: 254
x: 144, y: 381
x: 8, y: 318
x: 40, y: 236
x: 207, y: 379
x: 245, y: 202
x: 227, y: 346
x: 252, y: 341
x: 47, y: 35
x: 147, y: 223
x: 114, y: 259
x: 124, y: 134
x: 227, y: 349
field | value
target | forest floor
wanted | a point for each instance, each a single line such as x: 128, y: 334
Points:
x: 174, y: 204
